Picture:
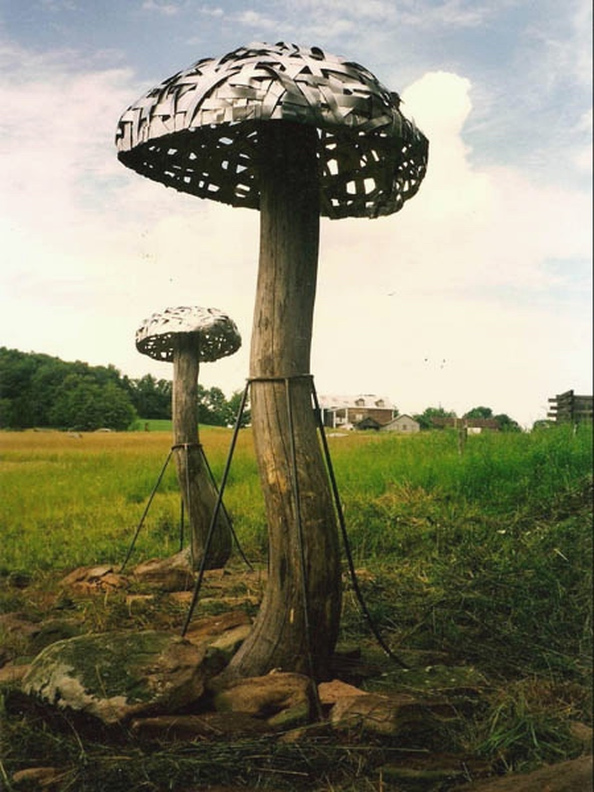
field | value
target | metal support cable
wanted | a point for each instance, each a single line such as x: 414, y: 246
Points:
x: 187, y: 446
x: 147, y: 507
x: 200, y: 577
x: 345, y: 538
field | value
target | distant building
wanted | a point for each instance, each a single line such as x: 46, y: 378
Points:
x: 568, y: 407
x: 346, y: 412
x: 404, y: 424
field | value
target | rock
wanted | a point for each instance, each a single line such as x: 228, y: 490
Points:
x: 167, y: 574
x: 181, y: 597
x: 331, y: 692
x: 574, y: 775
x: 210, y: 627
x: 230, y: 641
x: 292, y: 717
x: 225, y: 632
x: 119, y: 675
x: 265, y: 696
x: 93, y: 580
x: 12, y: 673
x: 387, y: 715
x: 583, y: 734
x: 17, y: 623
x: 47, y: 778
x: 209, y: 725
x: 51, y: 631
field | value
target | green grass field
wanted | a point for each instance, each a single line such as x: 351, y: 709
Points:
x: 480, y: 554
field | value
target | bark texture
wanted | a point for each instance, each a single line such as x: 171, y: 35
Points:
x: 198, y: 490
x: 297, y: 625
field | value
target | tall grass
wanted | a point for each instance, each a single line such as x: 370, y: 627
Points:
x: 70, y: 500
x: 76, y: 500
x: 486, y: 554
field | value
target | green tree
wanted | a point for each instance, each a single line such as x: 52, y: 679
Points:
x: 542, y: 424
x: 33, y: 391
x: 82, y: 404
x: 425, y: 419
x: 507, y: 424
x: 44, y: 384
x: 234, y: 405
x: 151, y: 397
x: 5, y: 413
x: 213, y: 408
x: 479, y: 412
x: 16, y: 370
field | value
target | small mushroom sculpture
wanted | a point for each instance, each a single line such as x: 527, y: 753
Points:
x: 296, y: 133
x: 186, y: 336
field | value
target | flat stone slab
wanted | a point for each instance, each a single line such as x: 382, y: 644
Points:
x: 94, y: 579
x: 119, y: 675
x: 265, y: 696
x: 336, y: 689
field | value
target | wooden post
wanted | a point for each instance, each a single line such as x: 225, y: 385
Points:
x: 198, y: 491
x: 297, y: 625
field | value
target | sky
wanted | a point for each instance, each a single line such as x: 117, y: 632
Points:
x: 478, y: 292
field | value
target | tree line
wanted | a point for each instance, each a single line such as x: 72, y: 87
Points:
x: 38, y: 390
x: 504, y: 422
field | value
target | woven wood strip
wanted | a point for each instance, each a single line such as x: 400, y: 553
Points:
x: 216, y: 334
x: 198, y: 130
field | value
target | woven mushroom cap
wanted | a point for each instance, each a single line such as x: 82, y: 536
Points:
x: 198, y: 130
x: 216, y: 334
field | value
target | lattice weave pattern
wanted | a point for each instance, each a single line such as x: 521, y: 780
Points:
x: 216, y: 334
x: 198, y: 130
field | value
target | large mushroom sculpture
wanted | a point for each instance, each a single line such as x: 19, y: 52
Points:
x: 187, y: 336
x: 296, y: 133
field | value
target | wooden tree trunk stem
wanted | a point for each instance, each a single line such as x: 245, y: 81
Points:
x: 198, y: 491
x: 280, y: 357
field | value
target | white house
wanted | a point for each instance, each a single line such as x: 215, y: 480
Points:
x: 346, y: 411
x: 404, y: 424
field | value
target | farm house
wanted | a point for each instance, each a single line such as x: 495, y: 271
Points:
x: 345, y: 412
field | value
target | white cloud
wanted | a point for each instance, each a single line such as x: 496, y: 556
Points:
x: 253, y: 19
x: 421, y: 13
x: 562, y: 45
x: 59, y: 5
x: 450, y: 14
x: 167, y: 9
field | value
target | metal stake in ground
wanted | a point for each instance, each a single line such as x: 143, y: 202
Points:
x: 186, y: 336
x: 294, y: 132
